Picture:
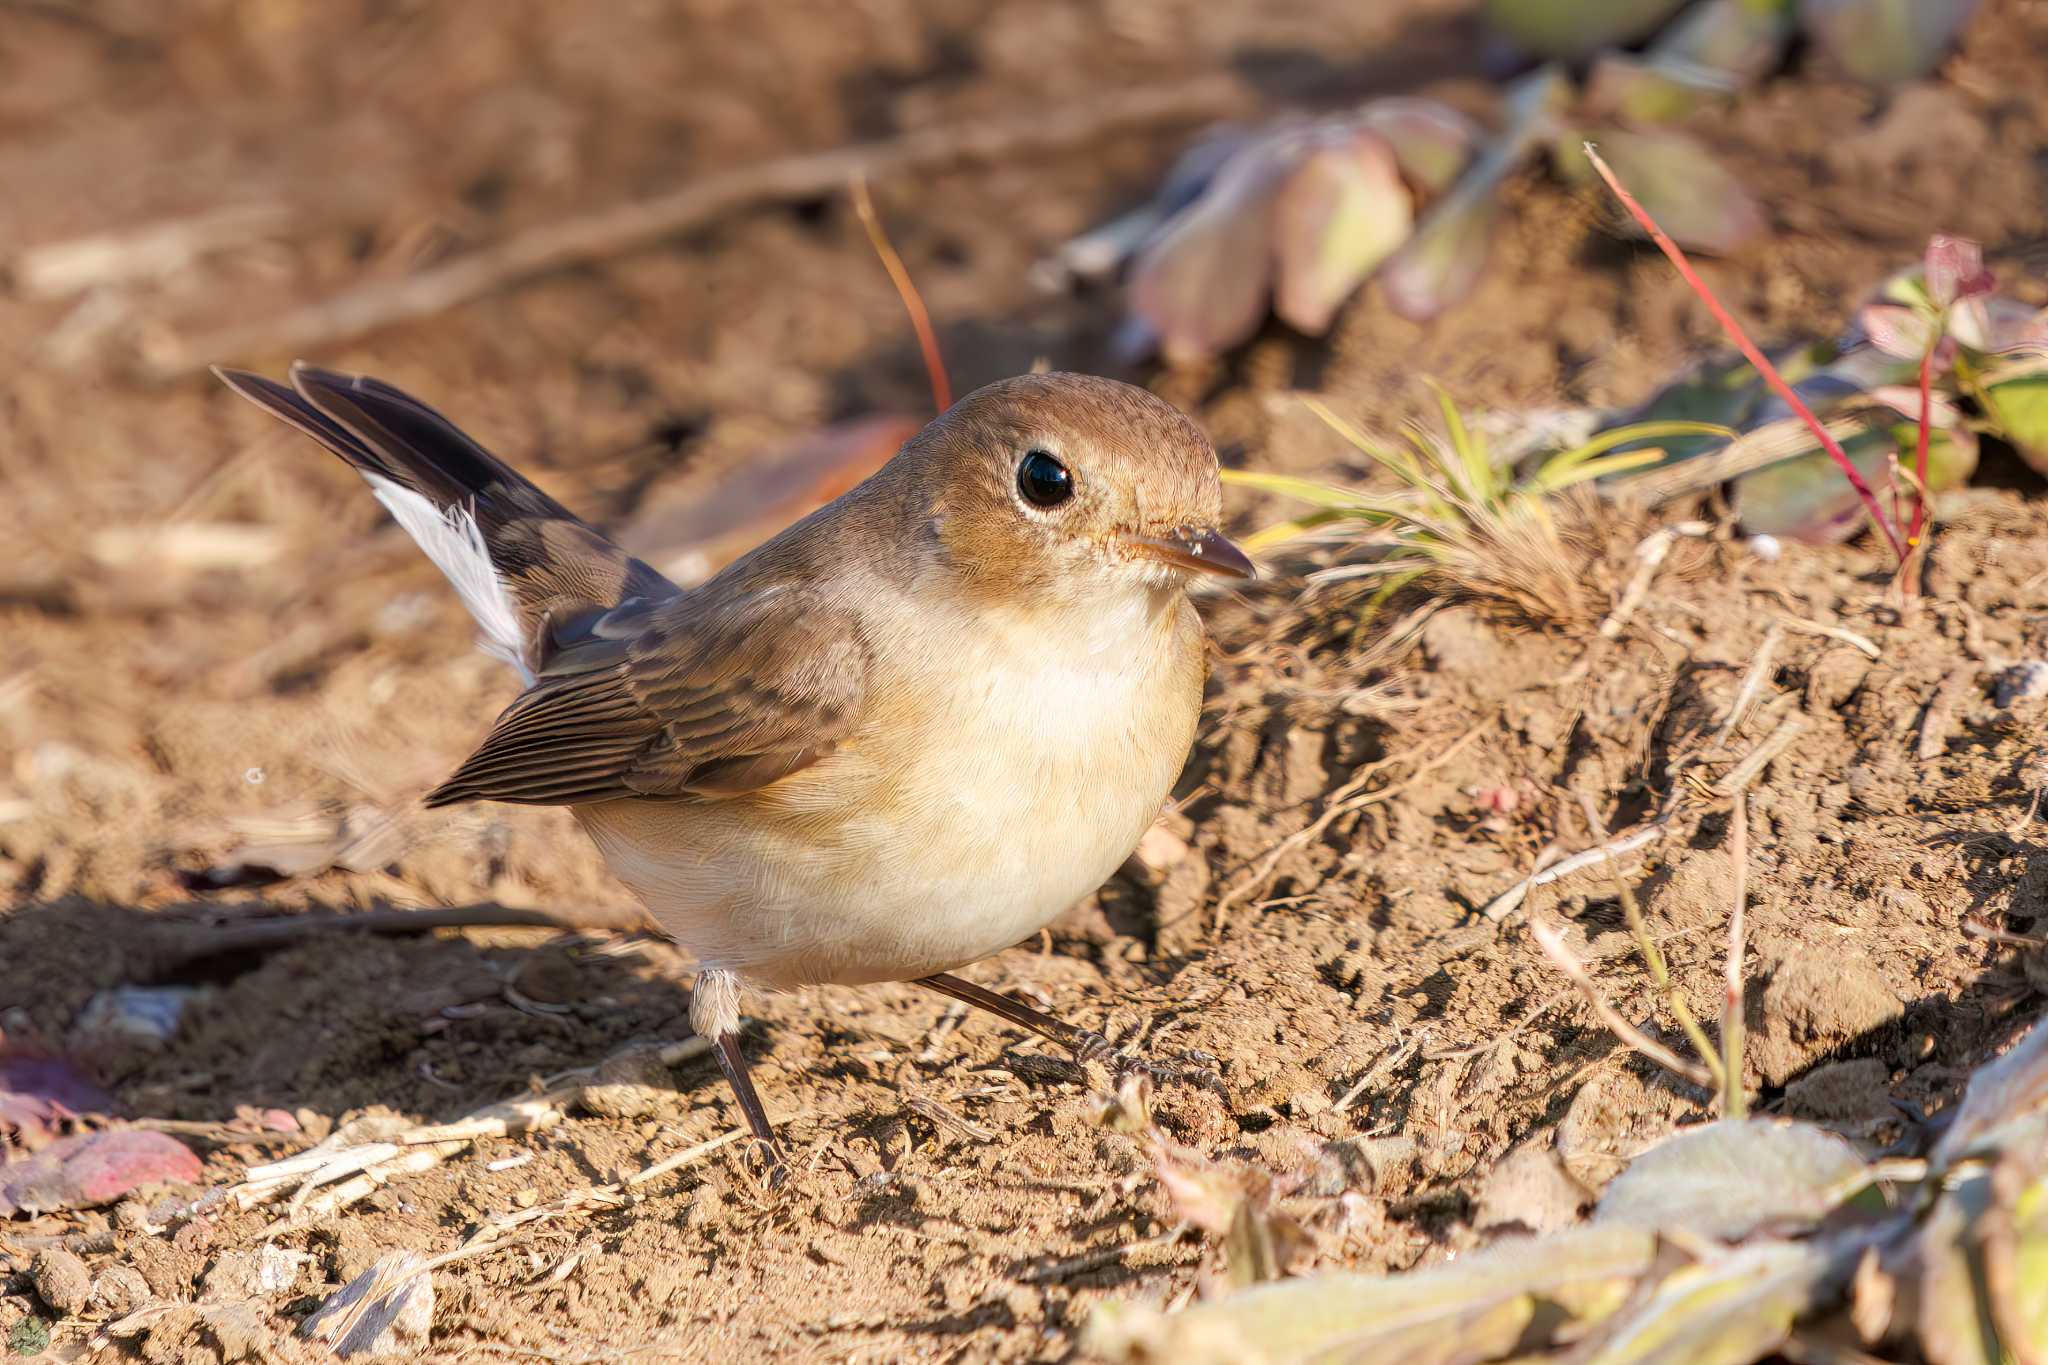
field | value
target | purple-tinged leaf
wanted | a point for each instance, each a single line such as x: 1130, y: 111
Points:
x: 1738, y: 39
x: 1884, y: 42
x: 1432, y: 142
x: 1203, y: 283
x: 1442, y: 261
x: 93, y: 1169
x: 1955, y: 270
x: 1697, y: 201
x: 1806, y: 498
x: 1898, y: 330
x: 1341, y: 213
x: 1570, y: 29
x: 39, y: 1095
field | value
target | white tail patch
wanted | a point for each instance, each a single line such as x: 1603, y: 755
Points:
x: 456, y: 545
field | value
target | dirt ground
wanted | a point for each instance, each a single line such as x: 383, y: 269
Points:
x: 1383, y: 1045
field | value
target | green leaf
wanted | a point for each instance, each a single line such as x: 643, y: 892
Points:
x: 2018, y: 410
x: 2016, y: 1252
x: 1734, y: 1178
x: 1553, y: 471
x: 1439, y: 264
x: 1956, y: 1326
x: 1479, y: 1307
x: 1731, y: 1310
x: 1691, y: 195
x: 1884, y: 42
x: 1571, y: 29
x: 1341, y: 213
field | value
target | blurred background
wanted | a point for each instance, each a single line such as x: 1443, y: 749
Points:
x: 616, y: 243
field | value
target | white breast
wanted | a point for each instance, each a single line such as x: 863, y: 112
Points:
x: 1013, y: 775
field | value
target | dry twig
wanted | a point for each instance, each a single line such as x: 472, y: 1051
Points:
x: 1734, y: 1101
x: 1553, y: 945
x: 626, y: 227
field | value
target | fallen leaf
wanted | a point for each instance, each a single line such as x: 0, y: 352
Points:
x: 694, y: 532
x: 1734, y: 1178
x: 93, y: 1169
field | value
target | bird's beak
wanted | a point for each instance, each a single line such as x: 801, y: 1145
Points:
x: 1198, y: 549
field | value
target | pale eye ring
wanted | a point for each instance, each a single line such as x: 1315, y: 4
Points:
x: 1042, y: 480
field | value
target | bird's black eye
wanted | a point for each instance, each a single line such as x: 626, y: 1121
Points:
x: 1043, y: 480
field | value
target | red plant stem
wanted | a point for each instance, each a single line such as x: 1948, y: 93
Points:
x: 1755, y: 357
x: 1920, y: 452
x: 906, y: 290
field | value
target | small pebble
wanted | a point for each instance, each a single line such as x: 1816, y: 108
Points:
x: 61, y: 1281
x: 2023, y: 682
x: 1766, y: 548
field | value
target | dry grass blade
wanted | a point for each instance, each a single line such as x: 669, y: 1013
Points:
x: 1734, y: 1101
x: 346, y: 1168
x: 1660, y: 976
x: 1553, y: 945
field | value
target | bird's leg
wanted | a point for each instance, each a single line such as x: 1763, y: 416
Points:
x: 1086, y: 1045
x: 715, y: 1014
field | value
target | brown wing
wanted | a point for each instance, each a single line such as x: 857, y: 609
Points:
x: 693, y: 697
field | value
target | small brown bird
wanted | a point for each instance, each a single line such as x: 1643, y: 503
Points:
x: 902, y: 735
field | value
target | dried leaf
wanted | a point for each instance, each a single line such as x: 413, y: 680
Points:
x: 387, y: 1309
x: 40, y: 1095
x: 695, y: 532
x: 1478, y: 1307
x: 1441, y: 262
x: 1731, y: 1310
x: 93, y: 1169
x: 1690, y: 194
x: 1569, y: 29
x: 1341, y: 213
x: 1202, y: 284
x: 2002, y: 1097
x: 1735, y: 1177
x: 1884, y: 42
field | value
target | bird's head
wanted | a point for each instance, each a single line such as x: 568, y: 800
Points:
x: 1062, y: 489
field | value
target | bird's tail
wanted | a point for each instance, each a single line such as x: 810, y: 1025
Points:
x: 522, y: 563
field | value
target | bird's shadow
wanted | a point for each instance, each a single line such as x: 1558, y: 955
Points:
x: 429, y: 1024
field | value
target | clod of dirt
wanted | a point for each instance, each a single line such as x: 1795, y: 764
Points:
x: 630, y: 1085
x: 242, y: 1275
x: 1613, y: 1117
x: 1696, y: 887
x: 120, y: 1290
x: 1815, y: 1003
x: 61, y: 1281
x: 1530, y: 1189
x: 1842, y: 1092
